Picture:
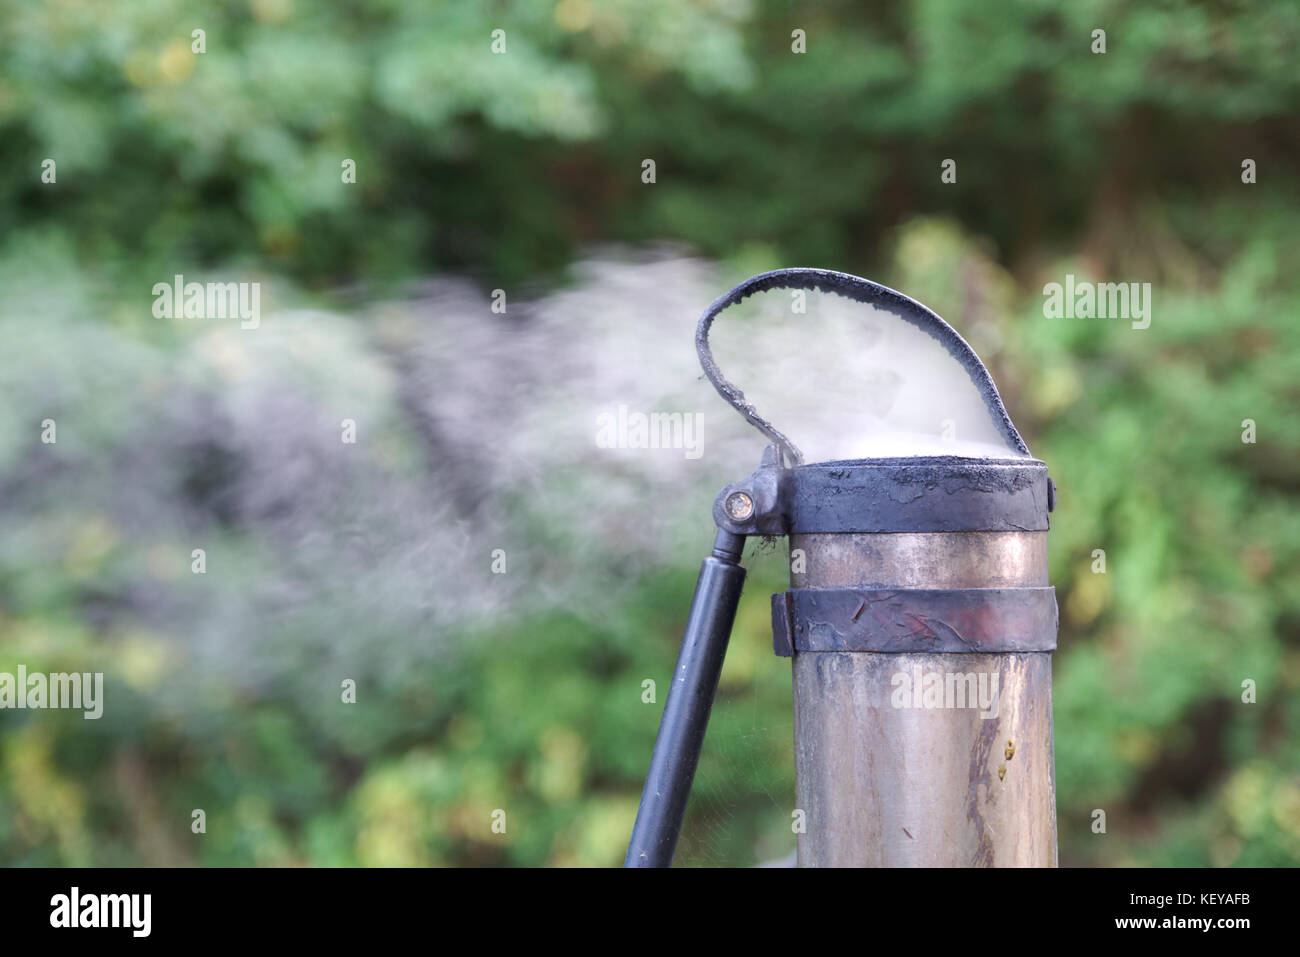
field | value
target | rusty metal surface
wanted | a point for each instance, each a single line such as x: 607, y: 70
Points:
x: 884, y: 785
x: 953, y: 621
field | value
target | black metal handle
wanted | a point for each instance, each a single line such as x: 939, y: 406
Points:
x: 859, y: 290
x: 690, y: 699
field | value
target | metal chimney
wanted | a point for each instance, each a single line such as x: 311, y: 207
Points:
x: 920, y: 624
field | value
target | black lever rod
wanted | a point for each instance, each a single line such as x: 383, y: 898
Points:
x: 690, y: 699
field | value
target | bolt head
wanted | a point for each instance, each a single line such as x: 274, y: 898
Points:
x: 739, y: 506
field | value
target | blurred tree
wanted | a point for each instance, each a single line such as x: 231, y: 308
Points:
x: 1123, y: 165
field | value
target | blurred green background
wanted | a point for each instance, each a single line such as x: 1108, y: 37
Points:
x: 505, y: 170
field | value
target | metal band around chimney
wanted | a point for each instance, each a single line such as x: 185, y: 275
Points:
x: 914, y: 620
x: 921, y: 494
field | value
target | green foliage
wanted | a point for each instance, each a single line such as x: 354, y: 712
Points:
x: 503, y: 163
x: 1122, y: 166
